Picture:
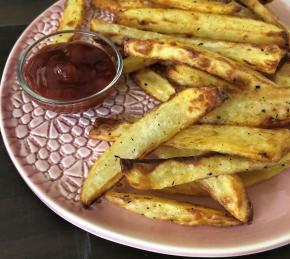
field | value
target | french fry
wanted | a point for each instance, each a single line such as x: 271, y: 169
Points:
x: 229, y: 191
x: 212, y: 26
x: 262, y: 11
x: 166, y: 209
x: 148, y: 133
x: 187, y: 76
x: 282, y: 77
x: 71, y: 19
x: 230, y: 8
x: 264, y: 58
x: 132, y: 64
x: 154, y: 84
x: 159, y: 174
x: 258, y: 176
x: 249, y: 178
x: 253, y: 143
x: 265, y: 108
x: 212, y: 63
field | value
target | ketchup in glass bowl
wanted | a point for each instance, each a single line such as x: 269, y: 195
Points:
x: 70, y: 76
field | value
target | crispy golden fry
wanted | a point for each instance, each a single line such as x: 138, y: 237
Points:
x: 147, y: 134
x: 230, y: 192
x: 255, y: 177
x: 253, y: 143
x: 132, y: 64
x: 166, y: 209
x: 230, y: 8
x: 262, y: 11
x: 111, y: 130
x: 154, y: 84
x: 188, y: 76
x: 212, y: 63
x: 266, y: 108
x: 212, y: 26
x: 159, y: 174
x: 264, y: 58
x: 249, y: 178
x: 71, y: 19
x: 282, y: 77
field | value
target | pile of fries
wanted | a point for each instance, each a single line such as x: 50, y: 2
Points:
x: 221, y: 73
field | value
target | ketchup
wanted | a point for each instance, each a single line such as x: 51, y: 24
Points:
x: 69, y: 71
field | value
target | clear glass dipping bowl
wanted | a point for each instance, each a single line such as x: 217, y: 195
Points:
x: 69, y: 106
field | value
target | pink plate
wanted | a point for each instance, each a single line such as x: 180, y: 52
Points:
x: 52, y: 153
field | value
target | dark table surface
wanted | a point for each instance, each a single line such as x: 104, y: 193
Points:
x: 28, y: 229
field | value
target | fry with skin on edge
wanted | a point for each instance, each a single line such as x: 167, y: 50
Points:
x: 249, y: 178
x: 203, y: 25
x: 264, y: 58
x: 154, y: 84
x: 207, y: 61
x: 132, y: 64
x: 155, y: 128
x: 262, y: 11
x: 264, y: 108
x: 159, y: 174
x: 229, y: 191
x: 71, y: 19
x: 253, y: 143
x: 166, y: 209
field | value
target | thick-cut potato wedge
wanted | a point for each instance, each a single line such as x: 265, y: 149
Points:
x: 230, y: 8
x: 132, y: 64
x: 266, y: 108
x: 249, y: 178
x: 255, y: 177
x: 253, y: 143
x: 212, y: 26
x: 158, y: 174
x: 71, y: 19
x: 212, y: 63
x: 111, y: 130
x: 282, y: 77
x: 147, y: 134
x: 230, y: 192
x: 262, y: 11
x: 264, y: 58
x: 166, y: 209
x: 154, y: 84
x: 187, y: 76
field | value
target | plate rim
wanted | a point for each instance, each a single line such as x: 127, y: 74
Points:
x: 117, y: 237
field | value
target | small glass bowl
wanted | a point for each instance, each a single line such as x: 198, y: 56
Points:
x: 82, y: 104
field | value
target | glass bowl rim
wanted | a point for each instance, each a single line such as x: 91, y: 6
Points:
x: 38, y: 97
